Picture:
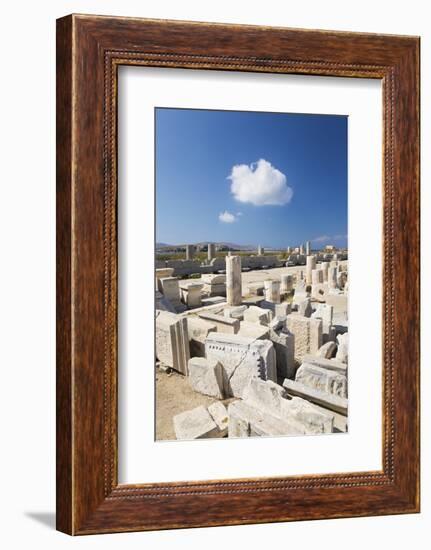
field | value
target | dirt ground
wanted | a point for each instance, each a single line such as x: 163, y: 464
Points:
x: 173, y: 396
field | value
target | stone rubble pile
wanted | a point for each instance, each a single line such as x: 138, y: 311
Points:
x: 276, y: 366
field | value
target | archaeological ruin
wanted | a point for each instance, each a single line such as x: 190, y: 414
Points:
x: 252, y: 345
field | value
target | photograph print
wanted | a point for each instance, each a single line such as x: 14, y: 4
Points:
x: 251, y: 274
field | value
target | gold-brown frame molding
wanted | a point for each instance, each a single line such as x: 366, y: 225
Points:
x: 89, y: 51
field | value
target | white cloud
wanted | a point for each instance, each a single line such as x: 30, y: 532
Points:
x: 260, y: 184
x: 328, y: 238
x: 226, y: 217
x: 321, y: 239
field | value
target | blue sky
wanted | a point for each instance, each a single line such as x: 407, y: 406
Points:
x: 273, y: 179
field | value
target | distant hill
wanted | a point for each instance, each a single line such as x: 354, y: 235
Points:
x: 204, y: 243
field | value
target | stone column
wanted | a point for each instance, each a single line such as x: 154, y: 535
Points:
x: 324, y: 266
x: 332, y: 277
x: 301, y: 249
x: 260, y: 251
x: 307, y: 248
x: 190, y: 251
x: 316, y: 276
x: 272, y: 291
x: 311, y: 264
x: 289, y: 250
x: 286, y: 283
x: 233, y: 280
x: 211, y: 251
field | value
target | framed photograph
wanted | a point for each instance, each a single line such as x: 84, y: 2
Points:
x: 237, y: 274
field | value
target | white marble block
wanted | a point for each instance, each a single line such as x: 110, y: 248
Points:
x: 223, y: 324
x: 308, y: 334
x: 284, y: 345
x: 322, y: 379
x: 170, y: 288
x: 242, y: 359
x: 198, y: 329
x: 220, y: 416
x: 206, y: 376
x: 326, y: 313
x: 272, y: 291
x: 286, y: 284
x: 191, y: 294
x: 256, y: 314
x: 195, y: 424
x: 172, y: 342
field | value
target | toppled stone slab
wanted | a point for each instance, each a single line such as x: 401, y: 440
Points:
x: 253, y: 330
x: 252, y: 300
x: 213, y: 300
x: 265, y: 395
x: 172, y: 341
x: 327, y: 350
x: 195, y: 424
x: 322, y: 379
x: 198, y: 330
x: 328, y: 401
x: 223, y: 324
x: 220, y: 416
x: 255, y: 314
x: 315, y: 420
x: 272, y: 399
x: 235, y: 312
x: 308, y: 335
x: 242, y: 359
x: 248, y: 421
x: 206, y: 376
x: 340, y: 421
x: 330, y: 364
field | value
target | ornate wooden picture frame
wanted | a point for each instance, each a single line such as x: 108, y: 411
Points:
x: 89, y: 51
